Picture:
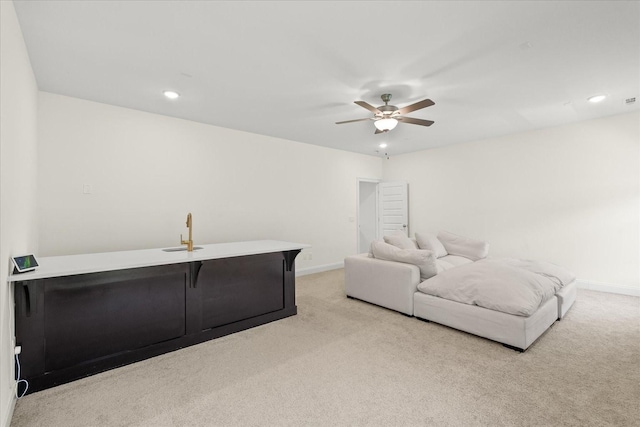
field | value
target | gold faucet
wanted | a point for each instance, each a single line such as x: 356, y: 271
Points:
x: 189, y: 242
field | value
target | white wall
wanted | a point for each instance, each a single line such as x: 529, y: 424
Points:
x: 148, y: 171
x: 18, y: 178
x: 568, y: 194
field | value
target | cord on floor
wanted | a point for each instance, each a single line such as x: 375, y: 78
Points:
x: 18, y: 381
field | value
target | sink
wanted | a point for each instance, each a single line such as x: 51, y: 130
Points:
x: 181, y: 249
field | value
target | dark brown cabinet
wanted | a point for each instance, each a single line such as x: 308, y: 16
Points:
x: 237, y: 289
x: 111, y: 313
x: 73, y: 326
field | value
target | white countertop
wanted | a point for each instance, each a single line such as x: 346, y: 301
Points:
x: 109, y: 261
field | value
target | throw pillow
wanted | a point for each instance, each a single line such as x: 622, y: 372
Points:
x: 423, y: 259
x: 400, y: 240
x: 464, y: 246
x: 431, y: 243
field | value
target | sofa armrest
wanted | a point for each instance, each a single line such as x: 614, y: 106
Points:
x: 386, y: 283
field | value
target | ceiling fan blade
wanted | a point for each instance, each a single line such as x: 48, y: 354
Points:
x: 351, y: 121
x: 378, y: 131
x: 413, y: 121
x: 417, y: 106
x: 368, y: 107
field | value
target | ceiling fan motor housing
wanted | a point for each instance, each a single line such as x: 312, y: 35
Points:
x: 387, y: 110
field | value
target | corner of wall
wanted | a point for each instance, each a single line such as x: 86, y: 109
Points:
x: 18, y: 164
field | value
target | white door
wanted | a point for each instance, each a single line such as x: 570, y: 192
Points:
x: 393, y: 207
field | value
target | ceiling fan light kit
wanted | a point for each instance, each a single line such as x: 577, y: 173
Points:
x: 385, y: 125
x: 386, y: 117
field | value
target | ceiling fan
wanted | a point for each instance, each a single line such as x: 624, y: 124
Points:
x: 386, y: 117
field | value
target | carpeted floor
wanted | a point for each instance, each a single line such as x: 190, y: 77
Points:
x: 345, y: 362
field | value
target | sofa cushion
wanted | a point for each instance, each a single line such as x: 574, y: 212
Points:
x: 400, y: 240
x: 455, y: 260
x: 430, y: 242
x: 442, y: 265
x: 423, y: 259
x: 464, y: 246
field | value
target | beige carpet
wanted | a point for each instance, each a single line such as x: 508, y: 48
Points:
x: 345, y: 362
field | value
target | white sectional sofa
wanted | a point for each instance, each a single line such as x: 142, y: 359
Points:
x: 394, y: 285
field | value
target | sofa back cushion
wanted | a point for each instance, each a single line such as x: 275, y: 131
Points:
x: 431, y: 243
x: 464, y: 246
x: 423, y: 259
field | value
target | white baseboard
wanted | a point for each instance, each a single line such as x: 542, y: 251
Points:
x: 6, y: 422
x: 319, y: 269
x: 608, y: 287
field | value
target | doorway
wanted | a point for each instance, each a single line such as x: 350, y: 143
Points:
x: 367, y: 213
x: 383, y: 208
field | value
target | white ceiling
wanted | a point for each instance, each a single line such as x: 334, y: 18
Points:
x: 290, y: 69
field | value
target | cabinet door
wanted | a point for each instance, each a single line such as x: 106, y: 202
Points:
x: 234, y: 289
x: 94, y: 315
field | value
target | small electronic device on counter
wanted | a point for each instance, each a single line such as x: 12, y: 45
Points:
x: 24, y: 263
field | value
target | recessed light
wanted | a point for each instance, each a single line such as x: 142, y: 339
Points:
x: 383, y: 145
x: 596, y: 98
x: 171, y: 94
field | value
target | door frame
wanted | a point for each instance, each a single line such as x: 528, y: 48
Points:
x: 358, y: 181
